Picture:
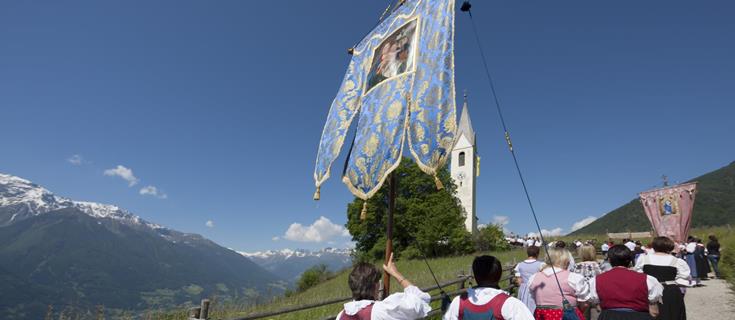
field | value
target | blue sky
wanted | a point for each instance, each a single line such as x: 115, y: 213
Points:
x: 220, y: 105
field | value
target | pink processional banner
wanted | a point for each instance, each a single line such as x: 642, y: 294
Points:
x: 670, y: 210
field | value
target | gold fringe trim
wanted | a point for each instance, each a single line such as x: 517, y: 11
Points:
x: 439, y: 184
x: 318, y: 193
x: 363, y: 213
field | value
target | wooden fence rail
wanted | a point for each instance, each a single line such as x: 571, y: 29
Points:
x: 203, y: 311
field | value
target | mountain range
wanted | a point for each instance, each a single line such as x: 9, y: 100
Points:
x: 290, y: 264
x: 75, y: 256
x: 714, y: 205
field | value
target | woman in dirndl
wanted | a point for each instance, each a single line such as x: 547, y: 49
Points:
x: 523, y: 272
x: 624, y: 294
x: 672, y: 273
x: 552, y: 298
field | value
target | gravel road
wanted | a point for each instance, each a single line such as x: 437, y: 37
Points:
x: 714, y: 301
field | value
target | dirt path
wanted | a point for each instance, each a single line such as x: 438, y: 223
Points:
x: 714, y: 301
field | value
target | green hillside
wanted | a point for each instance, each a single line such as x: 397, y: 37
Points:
x: 446, y: 269
x: 714, y: 206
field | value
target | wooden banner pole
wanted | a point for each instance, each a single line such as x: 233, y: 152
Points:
x: 389, y: 231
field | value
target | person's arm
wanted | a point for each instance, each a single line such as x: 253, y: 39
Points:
x: 655, y: 292
x: 453, y: 311
x: 514, y: 309
x: 580, y: 286
x: 412, y: 303
x: 391, y: 269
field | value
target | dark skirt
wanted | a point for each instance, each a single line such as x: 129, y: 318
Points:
x: 702, y: 266
x: 673, y: 307
x: 624, y: 315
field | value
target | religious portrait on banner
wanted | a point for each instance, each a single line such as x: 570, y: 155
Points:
x: 669, y: 205
x: 394, y: 56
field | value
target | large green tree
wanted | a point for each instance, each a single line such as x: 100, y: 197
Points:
x: 426, y: 220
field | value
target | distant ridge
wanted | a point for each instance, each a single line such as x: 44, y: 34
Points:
x: 75, y: 255
x: 714, y: 206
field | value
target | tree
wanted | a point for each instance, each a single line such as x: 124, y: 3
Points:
x: 312, y: 277
x: 426, y: 221
x: 490, y: 238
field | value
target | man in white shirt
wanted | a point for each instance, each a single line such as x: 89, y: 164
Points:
x: 364, y: 282
x: 630, y: 244
x: 486, y: 299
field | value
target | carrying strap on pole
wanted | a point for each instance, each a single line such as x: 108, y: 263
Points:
x: 466, y: 7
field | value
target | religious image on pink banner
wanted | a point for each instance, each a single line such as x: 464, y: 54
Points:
x: 670, y: 210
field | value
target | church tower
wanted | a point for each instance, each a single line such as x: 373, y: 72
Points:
x: 464, y: 168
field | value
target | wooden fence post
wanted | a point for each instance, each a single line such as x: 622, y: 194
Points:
x: 205, y: 309
x: 194, y: 312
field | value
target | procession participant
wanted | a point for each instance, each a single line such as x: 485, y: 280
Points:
x: 671, y: 272
x: 700, y: 259
x: 561, y: 244
x: 604, y: 247
x: 486, y: 299
x: 688, y: 252
x: 364, y: 281
x: 713, y: 254
x: 624, y: 294
x: 630, y: 244
x: 589, y: 268
x: 545, y: 289
x: 523, y: 272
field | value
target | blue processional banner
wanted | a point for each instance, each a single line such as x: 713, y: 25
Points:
x: 399, y: 85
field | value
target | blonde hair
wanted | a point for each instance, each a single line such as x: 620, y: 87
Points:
x: 558, y: 257
x: 587, y: 253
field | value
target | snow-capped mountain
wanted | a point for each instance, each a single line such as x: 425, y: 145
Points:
x: 21, y: 199
x: 60, y: 252
x: 289, y: 264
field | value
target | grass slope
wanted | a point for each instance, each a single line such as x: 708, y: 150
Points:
x: 714, y: 206
x: 446, y: 269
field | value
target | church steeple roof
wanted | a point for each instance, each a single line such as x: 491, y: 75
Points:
x: 465, y: 125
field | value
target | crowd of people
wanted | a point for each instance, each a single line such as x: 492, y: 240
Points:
x: 633, y: 281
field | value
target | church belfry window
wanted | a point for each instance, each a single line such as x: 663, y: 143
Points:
x: 461, y: 159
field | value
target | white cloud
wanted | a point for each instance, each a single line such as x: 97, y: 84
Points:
x: 320, y: 231
x: 501, y: 220
x: 276, y: 238
x: 209, y: 224
x: 583, y: 223
x: 124, y: 173
x: 548, y: 233
x: 76, y: 160
x: 152, y: 191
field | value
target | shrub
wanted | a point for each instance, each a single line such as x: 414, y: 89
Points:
x: 312, y: 277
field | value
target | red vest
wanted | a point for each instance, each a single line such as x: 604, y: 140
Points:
x: 363, y: 314
x: 622, y: 288
x: 495, y: 304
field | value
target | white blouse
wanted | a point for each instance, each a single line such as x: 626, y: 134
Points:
x: 655, y: 290
x: 682, y: 268
x: 575, y: 280
x: 513, y: 309
x: 412, y: 303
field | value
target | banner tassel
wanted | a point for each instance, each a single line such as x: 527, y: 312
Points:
x: 318, y: 193
x: 363, y: 213
x: 439, y: 184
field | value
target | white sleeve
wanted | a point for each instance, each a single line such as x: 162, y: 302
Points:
x: 412, y: 303
x: 580, y: 286
x: 593, y: 291
x: 639, y: 264
x: 453, y: 311
x: 682, y: 269
x: 655, y: 289
x: 514, y: 309
x: 515, y: 270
